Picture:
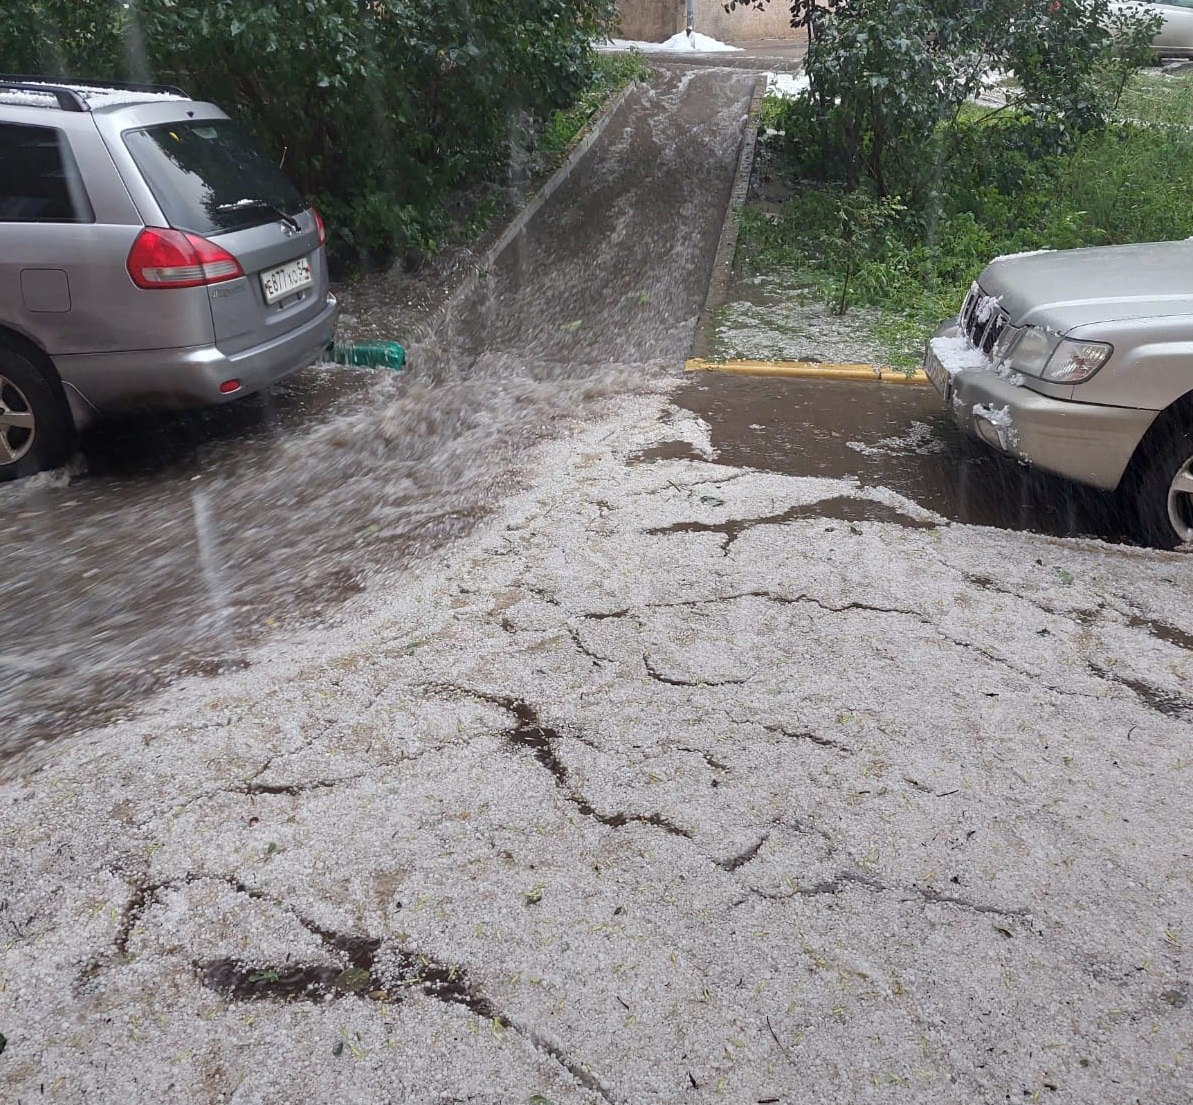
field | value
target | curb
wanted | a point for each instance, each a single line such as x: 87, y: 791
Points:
x: 721, y: 273
x: 811, y: 370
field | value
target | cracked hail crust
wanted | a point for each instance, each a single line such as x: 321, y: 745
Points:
x: 658, y: 789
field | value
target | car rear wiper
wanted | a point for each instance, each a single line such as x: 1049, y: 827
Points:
x: 260, y: 205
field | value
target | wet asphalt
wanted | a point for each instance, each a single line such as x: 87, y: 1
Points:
x: 176, y: 542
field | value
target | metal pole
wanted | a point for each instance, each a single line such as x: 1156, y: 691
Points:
x: 691, y: 16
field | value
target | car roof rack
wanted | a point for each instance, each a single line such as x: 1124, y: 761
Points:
x: 67, y: 91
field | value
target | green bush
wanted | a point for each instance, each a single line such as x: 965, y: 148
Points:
x: 890, y: 79
x: 381, y: 108
x: 1012, y: 186
x: 611, y: 72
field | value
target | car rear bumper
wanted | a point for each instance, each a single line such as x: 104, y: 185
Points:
x: 110, y: 383
x: 1084, y: 442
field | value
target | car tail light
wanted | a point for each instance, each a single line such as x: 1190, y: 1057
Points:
x: 319, y: 225
x: 164, y: 258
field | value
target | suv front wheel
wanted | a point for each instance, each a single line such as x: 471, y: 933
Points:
x: 1165, y: 506
x: 35, y: 427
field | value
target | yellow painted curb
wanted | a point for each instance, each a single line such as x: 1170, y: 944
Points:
x: 814, y: 370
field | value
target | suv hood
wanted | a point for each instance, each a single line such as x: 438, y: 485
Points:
x: 1065, y: 288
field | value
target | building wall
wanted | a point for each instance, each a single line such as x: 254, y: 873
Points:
x: 650, y: 20
x: 658, y: 20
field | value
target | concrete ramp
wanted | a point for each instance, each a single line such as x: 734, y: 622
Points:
x: 614, y: 266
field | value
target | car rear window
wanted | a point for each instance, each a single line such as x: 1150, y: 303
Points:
x: 39, y: 180
x: 208, y: 177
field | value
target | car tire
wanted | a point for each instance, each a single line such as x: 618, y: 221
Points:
x: 36, y: 430
x: 1164, y: 506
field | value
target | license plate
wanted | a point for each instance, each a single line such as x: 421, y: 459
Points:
x: 287, y: 279
x: 937, y: 373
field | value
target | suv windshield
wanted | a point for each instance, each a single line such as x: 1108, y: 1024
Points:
x: 208, y: 176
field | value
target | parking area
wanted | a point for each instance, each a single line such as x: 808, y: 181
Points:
x: 543, y: 725
x: 680, y: 780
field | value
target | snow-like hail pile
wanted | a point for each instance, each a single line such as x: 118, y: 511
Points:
x: 787, y: 86
x: 1002, y: 420
x: 956, y: 354
x: 695, y: 41
x: 670, y: 785
x: 95, y: 96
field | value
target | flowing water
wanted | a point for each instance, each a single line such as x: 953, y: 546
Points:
x: 175, y: 542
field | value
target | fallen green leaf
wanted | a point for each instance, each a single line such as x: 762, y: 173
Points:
x: 572, y: 327
x: 263, y: 976
x: 352, y: 979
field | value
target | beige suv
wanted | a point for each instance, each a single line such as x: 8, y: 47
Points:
x: 1080, y: 362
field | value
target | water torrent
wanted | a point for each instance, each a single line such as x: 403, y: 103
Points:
x: 210, y: 564
x: 119, y: 579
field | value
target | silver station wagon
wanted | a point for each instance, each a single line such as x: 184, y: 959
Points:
x: 1080, y: 362
x: 150, y: 256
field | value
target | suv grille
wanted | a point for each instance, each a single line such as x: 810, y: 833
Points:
x: 982, y: 319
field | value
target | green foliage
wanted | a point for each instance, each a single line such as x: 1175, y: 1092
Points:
x: 1156, y: 97
x: 1132, y: 32
x: 889, y: 80
x: 381, y: 108
x: 1132, y: 183
x: 875, y: 91
x: 611, y: 72
x: 1011, y: 187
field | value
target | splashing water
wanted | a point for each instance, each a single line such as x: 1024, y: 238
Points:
x: 339, y: 477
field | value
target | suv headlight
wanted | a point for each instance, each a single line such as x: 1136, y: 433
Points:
x: 1045, y: 354
x: 1074, y: 361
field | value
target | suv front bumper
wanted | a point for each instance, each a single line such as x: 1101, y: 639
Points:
x: 1084, y: 442
x: 112, y: 383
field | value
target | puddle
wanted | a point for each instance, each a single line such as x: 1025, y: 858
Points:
x: 667, y: 450
x: 371, y: 970
x: 245, y: 982
x: 888, y: 435
x: 1163, y: 702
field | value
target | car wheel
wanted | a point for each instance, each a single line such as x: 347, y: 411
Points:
x: 35, y: 427
x: 1165, y: 489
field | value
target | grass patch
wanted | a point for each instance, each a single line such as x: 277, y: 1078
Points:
x: 1154, y: 96
x: 612, y: 72
x: 1132, y: 181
